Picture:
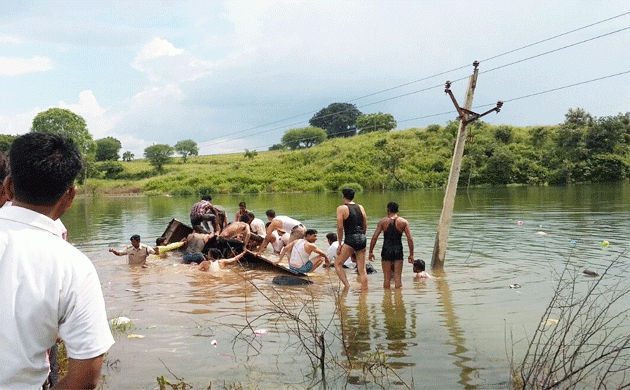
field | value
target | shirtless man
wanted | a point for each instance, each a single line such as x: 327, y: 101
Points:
x: 236, y: 229
x: 300, y: 250
x: 195, y: 242
x: 393, y: 228
x: 242, y: 210
x: 214, y: 265
x: 282, y: 222
x: 351, y: 221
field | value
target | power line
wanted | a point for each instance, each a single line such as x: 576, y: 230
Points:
x: 426, y: 78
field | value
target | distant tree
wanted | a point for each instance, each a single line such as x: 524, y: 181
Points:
x: 577, y: 118
x: 276, y: 147
x: 504, y: 134
x: 107, y: 149
x: 127, y: 156
x: 158, y: 155
x: 250, y: 154
x: 338, y: 119
x: 303, y: 138
x: 109, y: 169
x: 375, y: 122
x: 6, y: 141
x: 187, y: 148
x: 67, y: 123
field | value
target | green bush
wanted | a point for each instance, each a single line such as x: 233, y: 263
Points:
x: 355, y: 186
x: 182, y: 191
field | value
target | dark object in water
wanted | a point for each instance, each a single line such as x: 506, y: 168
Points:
x: 515, y: 285
x: 289, y: 280
x: 254, y: 260
x: 588, y: 272
x: 176, y: 230
x: 369, y: 269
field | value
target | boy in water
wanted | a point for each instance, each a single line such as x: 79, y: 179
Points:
x: 418, y: 268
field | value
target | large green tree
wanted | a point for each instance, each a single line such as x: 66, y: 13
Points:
x: 67, y: 123
x: 303, y: 138
x: 375, y: 122
x: 338, y: 119
x: 107, y: 149
x: 158, y: 155
x: 128, y: 156
x: 187, y: 148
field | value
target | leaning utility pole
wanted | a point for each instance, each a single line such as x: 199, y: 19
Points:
x: 465, y: 116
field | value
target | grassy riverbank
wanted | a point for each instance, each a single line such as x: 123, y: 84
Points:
x: 407, y: 159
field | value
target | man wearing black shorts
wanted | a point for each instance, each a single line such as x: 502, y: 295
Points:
x: 392, y: 255
x: 351, y: 225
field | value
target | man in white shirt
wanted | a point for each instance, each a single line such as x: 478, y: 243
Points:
x: 256, y: 224
x: 332, y: 251
x: 50, y: 288
x: 282, y: 222
x: 300, y: 251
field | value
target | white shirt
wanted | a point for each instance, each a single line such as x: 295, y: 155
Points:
x: 280, y: 241
x: 288, y: 223
x: 47, y: 287
x: 299, y: 257
x: 258, y: 226
x: 332, y: 255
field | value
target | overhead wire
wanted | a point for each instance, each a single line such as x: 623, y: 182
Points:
x: 220, y: 140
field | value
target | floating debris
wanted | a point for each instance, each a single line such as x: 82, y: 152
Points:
x: 572, y: 243
x: 120, y: 321
x: 135, y: 336
x: 541, y: 233
x: 515, y: 285
x: 260, y: 332
x: 605, y: 244
x: 588, y: 272
x: 520, y: 223
x: 214, y: 342
x: 132, y: 290
x: 550, y: 321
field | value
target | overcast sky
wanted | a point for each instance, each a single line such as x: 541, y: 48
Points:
x: 232, y: 75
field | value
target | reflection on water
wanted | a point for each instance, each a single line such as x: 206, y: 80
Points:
x: 447, y: 332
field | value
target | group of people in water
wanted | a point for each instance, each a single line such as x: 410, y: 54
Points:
x: 214, y: 242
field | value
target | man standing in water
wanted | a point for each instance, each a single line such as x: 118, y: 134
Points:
x: 49, y: 289
x: 392, y: 255
x: 351, y: 221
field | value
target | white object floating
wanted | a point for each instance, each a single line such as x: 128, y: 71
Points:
x: 541, y: 233
x: 550, y: 321
x: 515, y: 285
x: 214, y: 342
x: 121, y: 321
x: 132, y: 290
x: 260, y: 331
x: 136, y: 336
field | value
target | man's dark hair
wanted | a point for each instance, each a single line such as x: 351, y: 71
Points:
x: 332, y: 236
x: 251, y: 215
x: 4, y: 166
x: 244, y: 218
x: 160, y: 241
x: 270, y: 213
x: 267, y: 225
x: 206, y: 197
x: 43, y: 167
x: 348, y: 193
x: 242, y: 204
x: 392, y: 207
x: 310, y: 232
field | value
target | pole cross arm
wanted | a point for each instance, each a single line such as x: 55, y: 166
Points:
x: 465, y: 115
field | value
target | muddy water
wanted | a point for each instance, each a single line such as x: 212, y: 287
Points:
x: 458, y: 330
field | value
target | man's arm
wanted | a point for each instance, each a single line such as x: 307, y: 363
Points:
x: 314, y: 248
x: 407, y: 232
x: 248, y: 233
x: 377, y: 232
x: 117, y: 253
x: 270, y: 229
x: 82, y: 374
x: 232, y: 259
x: 284, y: 250
x: 340, y: 215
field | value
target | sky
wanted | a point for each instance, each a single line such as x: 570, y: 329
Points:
x: 235, y: 75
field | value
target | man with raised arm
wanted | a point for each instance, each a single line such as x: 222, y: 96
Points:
x: 48, y: 288
x: 351, y: 225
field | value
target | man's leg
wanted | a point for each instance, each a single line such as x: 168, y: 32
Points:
x: 387, y: 273
x: 346, y: 251
x: 317, y: 261
x: 363, y: 278
x: 398, y: 267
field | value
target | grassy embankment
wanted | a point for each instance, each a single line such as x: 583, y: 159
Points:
x: 408, y: 159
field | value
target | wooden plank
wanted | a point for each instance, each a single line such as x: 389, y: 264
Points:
x: 254, y: 260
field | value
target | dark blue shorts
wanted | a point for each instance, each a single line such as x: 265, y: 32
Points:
x: 355, y: 241
x: 306, y: 268
x: 193, y: 258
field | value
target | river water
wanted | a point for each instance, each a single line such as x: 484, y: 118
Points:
x: 233, y: 329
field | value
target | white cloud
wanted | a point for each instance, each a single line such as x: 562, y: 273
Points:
x: 100, y: 122
x: 10, y: 39
x: 15, y: 66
